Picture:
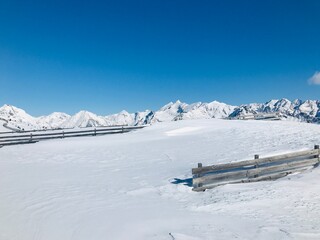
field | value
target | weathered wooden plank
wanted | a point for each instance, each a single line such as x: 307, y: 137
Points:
x: 60, y: 134
x: 46, y: 137
x: 220, y: 177
x: 317, y: 147
x: 268, y: 177
x: 37, y: 139
x: 23, y: 140
x: 17, y: 143
x: 11, y: 132
x: 264, y: 178
x: 230, y: 176
x: 240, y: 164
x: 282, y: 167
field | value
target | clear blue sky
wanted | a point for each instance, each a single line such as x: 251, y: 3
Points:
x: 105, y: 56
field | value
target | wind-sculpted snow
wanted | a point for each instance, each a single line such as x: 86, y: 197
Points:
x: 307, y: 111
x: 135, y: 186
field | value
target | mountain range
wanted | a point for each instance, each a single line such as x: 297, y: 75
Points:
x: 307, y: 111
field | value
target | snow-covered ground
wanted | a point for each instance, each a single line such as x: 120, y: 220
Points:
x: 132, y: 186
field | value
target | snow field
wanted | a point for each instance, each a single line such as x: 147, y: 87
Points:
x: 122, y: 186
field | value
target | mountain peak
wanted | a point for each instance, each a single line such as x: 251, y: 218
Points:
x: 8, y: 107
x: 124, y: 112
x: 308, y: 110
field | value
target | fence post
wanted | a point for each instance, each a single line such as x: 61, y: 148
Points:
x: 316, y: 147
x: 199, y: 175
x: 199, y: 166
x: 256, y: 157
x: 256, y: 165
x: 196, y: 176
x: 30, y: 136
x: 95, y: 132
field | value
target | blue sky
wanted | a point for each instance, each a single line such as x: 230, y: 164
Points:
x: 105, y: 56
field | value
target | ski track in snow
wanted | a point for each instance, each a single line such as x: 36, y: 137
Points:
x: 121, y: 186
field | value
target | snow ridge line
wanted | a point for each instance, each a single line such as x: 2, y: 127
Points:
x: 297, y: 110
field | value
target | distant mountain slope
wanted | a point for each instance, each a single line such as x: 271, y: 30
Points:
x: 84, y: 119
x: 18, y: 118
x: 54, y: 120
x: 2, y: 128
x: 307, y: 111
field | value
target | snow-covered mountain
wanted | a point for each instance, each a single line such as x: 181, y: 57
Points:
x: 54, y: 120
x: 207, y: 110
x: 17, y: 118
x: 182, y: 111
x: 84, y: 119
x: 308, y: 111
x: 122, y: 118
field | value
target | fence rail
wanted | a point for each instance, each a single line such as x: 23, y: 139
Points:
x: 21, y: 138
x: 258, y: 169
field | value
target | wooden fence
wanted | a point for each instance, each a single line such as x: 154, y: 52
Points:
x: 258, y: 169
x: 22, y: 138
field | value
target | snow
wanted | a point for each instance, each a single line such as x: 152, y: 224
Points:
x: 182, y: 131
x: 182, y: 111
x: 84, y: 119
x: 309, y: 107
x: 308, y: 111
x: 133, y: 186
x: 17, y: 118
x: 2, y: 128
x: 170, y: 112
x: 54, y: 120
x: 122, y: 118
